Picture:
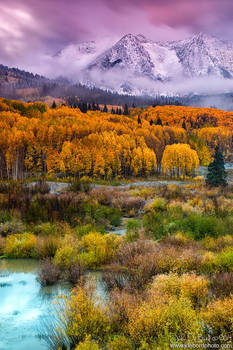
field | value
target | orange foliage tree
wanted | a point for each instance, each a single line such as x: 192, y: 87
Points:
x: 35, y: 138
x: 179, y: 160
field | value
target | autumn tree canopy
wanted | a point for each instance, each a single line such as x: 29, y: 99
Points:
x: 179, y: 160
x: 35, y: 138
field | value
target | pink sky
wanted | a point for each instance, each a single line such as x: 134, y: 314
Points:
x: 31, y: 28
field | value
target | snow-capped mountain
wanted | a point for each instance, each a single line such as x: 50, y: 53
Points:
x: 135, y: 64
x: 203, y: 55
x: 138, y: 55
x: 81, y: 55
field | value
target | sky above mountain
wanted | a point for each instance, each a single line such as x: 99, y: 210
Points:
x: 32, y: 30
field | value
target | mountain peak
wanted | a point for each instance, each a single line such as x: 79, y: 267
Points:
x: 141, y: 38
x: 134, y: 56
x: 134, y: 37
x: 129, y: 36
x: 202, y: 37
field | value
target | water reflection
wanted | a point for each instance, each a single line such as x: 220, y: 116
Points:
x: 24, y: 305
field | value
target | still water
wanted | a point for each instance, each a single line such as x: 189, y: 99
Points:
x: 24, y: 305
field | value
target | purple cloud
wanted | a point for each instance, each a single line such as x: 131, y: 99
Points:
x: 30, y: 29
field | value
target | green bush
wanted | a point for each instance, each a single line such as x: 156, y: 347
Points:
x: 36, y: 213
x: 97, y: 213
x: 224, y: 260
x: 120, y: 342
x: 162, y: 223
x: 45, y: 229
x: 201, y: 226
x: 80, y: 186
x: 83, y: 230
x: 132, y: 229
x: 5, y: 216
x: 154, y: 224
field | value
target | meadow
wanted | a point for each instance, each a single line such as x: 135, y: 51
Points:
x: 168, y: 279
x: 170, y: 275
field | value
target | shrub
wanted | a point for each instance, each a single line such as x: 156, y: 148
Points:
x: 136, y: 263
x: 83, y: 230
x: 80, y: 186
x: 178, y: 240
x: 75, y: 272
x: 98, y: 213
x: 173, y: 191
x: 4, y: 186
x: 45, y: 229
x: 208, y: 262
x: 219, y: 316
x: 20, y: 246
x: 129, y: 251
x: 120, y: 342
x: 224, y: 260
x: 48, y: 273
x: 46, y: 247
x: 84, y: 317
x: 87, y: 344
x: 2, y: 245
x: 5, y: 216
x: 188, y: 286
x: 98, y: 249
x: 222, y: 284
x: 129, y: 205
x: 119, y: 200
x: 132, y: 229
x: 40, y: 187
x: 36, y: 213
x: 201, y: 226
x: 153, y: 225
x: 160, y: 321
x: 3, y: 201
x: 11, y: 227
x: 120, y: 307
x: 168, y: 259
x: 217, y: 244
x: 65, y: 257
x: 147, y: 192
x: 159, y: 204
x: 114, y: 276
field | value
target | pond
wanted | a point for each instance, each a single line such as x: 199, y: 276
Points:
x: 24, y: 305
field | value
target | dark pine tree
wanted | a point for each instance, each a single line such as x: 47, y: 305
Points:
x: 83, y: 107
x: 151, y: 122
x: 105, y: 110
x: 184, y: 125
x: 217, y: 175
x: 139, y: 120
x: 119, y: 111
x: 158, y: 122
x: 126, y: 110
x: 54, y: 105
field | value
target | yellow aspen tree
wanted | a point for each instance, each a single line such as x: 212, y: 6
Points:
x: 179, y: 160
